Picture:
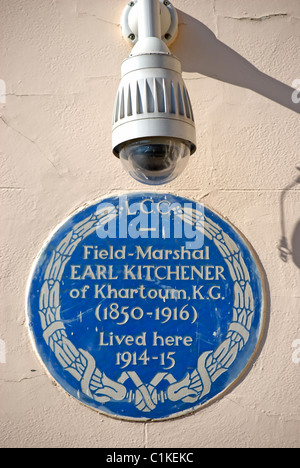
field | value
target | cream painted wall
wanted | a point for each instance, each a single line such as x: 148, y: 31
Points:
x: 60, y: 64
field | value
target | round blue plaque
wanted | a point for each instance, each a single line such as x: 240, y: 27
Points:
x: 146, y: 306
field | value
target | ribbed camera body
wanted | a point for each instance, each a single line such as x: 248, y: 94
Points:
x: 152, y: 101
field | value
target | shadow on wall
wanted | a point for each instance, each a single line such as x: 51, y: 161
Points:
x: 200, y: 51
x: 284, y: 249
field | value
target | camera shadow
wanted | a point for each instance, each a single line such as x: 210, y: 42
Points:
x: 200, y: 51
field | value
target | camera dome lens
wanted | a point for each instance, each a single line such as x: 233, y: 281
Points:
x: 155, y: 161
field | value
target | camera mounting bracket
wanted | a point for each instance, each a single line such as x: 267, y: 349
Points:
x: 168, y: 22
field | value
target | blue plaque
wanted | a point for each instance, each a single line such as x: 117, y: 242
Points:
x: 146, y: 306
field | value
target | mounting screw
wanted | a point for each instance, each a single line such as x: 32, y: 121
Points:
x: 131, y: 4
x: 167, y: 3
x: 131, y: 37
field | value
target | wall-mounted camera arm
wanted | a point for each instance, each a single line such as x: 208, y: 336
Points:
x: 149, y: 18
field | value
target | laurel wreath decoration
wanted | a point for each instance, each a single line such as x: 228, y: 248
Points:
x: 82, y: 366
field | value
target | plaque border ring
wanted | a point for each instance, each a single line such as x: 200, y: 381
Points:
x: 193, y: 387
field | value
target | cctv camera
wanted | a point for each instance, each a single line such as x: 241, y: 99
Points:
x: 153, y: 122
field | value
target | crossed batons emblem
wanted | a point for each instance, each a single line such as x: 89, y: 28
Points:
x: 147, y: 396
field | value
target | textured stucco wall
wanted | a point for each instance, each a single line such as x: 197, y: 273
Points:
x: 59, y: 70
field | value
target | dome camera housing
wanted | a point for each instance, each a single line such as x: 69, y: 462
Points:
x: 155, y: 161
x: 153, y: 123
